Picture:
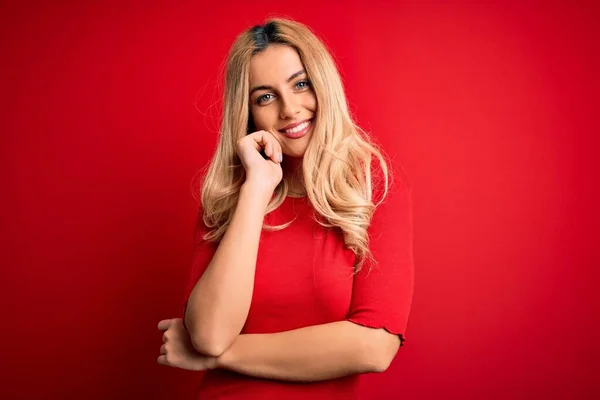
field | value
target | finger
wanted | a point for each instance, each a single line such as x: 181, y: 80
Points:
x: 259, y: 140
x: 162, y: 360
x: 165, y: 324
x: 270, y: 147
x: 266, y: 140
x: 163, y: 349
x: 165, y: 338
x: 274, y: 155
x: 276, y: 147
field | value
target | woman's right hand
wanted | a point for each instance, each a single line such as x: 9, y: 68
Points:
x: 261, y: 172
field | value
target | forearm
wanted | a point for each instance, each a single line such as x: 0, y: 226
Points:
x: 312, y: 353
x: 219, y: 303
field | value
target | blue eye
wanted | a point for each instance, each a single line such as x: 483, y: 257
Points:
x: 263, y: 98
x: 304, y: 83
x: 301, y: 85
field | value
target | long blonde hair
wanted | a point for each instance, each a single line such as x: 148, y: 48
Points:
x: 337, y: 164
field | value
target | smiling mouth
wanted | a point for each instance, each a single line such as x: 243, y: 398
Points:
x: 297, y: 128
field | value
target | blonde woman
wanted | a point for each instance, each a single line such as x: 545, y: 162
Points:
x: 302, y: 277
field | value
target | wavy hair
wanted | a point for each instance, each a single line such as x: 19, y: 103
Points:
x: 338, y: 164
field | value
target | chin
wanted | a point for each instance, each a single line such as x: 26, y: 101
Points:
x: 297, y: 151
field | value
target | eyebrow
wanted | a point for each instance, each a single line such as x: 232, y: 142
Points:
x: 266, y: 87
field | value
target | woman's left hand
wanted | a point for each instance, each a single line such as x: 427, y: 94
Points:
x: 177, y: 349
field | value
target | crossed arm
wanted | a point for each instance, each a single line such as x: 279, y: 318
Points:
x: 312, y: 353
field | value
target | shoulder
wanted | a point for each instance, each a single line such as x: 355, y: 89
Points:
x: 399, y: 184
x: 393, y: 212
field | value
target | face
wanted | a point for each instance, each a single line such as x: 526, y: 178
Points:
x: 282, y: 100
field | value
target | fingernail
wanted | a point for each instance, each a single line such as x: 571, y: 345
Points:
x: 280, y: 157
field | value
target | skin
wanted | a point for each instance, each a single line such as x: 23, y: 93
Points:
x: 283, y: 104
x: 177, y: 349
x: 280, y: 95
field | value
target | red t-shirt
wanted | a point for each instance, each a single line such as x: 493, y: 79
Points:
x: 304, y: 277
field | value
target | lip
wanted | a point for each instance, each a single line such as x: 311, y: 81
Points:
x: 290, y: 126
x: 298, y: 135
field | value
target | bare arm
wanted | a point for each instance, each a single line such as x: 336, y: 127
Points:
x: 312, y: 353
x: 219, y: 303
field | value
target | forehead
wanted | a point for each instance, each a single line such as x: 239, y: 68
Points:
x: 274, y: 65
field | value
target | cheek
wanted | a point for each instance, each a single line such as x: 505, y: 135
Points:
x: 311, y: 101
x: 263, y: 117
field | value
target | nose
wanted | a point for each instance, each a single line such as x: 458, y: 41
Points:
x: 289, y: 107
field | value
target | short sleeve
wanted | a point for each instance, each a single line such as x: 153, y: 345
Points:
x: 382, y: 297
x: 202, y: 255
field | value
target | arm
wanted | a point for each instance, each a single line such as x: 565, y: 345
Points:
x: 381, y: 298
x: 219, y: 303
x: 312, y: 353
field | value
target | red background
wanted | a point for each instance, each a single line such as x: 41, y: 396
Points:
x: 109, y: 110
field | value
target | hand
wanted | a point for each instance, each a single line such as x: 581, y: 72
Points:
x: 177, y: 349
x: 263, y: 173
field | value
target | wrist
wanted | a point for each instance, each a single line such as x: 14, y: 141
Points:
x: 256, y: 191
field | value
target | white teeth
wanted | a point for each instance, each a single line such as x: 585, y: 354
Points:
x: 298, y: 128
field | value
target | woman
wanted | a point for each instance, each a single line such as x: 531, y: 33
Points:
x: 321, y: 293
